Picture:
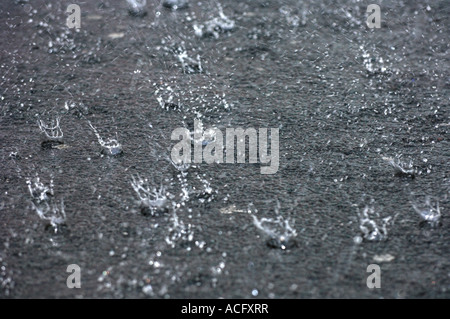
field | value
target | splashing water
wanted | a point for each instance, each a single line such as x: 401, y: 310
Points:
x: 167, y: 98
x: 42, y: 203
x: 52, y: 131
x: 181, y: 167
x: 196, y: 100
x: 137, y: 7
x: 373, y: 65
x: 153, y: 200
x: 188, y: 64
x: 38, y: 191
x: 182, y: 179
x: 110, y: 146
x: 215, y: 26
x: 179, y: 231
x: 278, y: 231
x: 51, y: 212
x: 368, y: 226
x: 429, y: 211
x: 207, y: 193
x: 401, y: 168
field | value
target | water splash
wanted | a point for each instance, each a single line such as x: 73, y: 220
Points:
x: 186, y: 191
x: 53, y: 133
x: 428, y: 210
x: 207, y: 193
x: 196, y: 100
x: 218, y: 269
x: 401, y: 168
x: 153, y: 201
x: 278, y: 231
x: 105, y: 280
x: 38, y: 190
x: 111, y: 146
x: 137, y: 8
x: 52, y: 213
x: 53, y: 130
x: 215, y: 26
x: 43, y: 203
x: 373, y: 65
x: 148, y: 290
x: 167, y: 98
x: 60, y: 41
x: 181, y: 167
x: 371, y: 231
x: 179, y: 231
x: 188, y: 64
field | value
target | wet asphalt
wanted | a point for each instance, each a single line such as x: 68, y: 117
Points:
x: 345, y: 98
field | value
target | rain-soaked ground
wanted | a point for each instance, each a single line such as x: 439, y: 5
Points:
x: 86, y: 117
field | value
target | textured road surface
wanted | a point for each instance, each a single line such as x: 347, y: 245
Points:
x: 346, y: 98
